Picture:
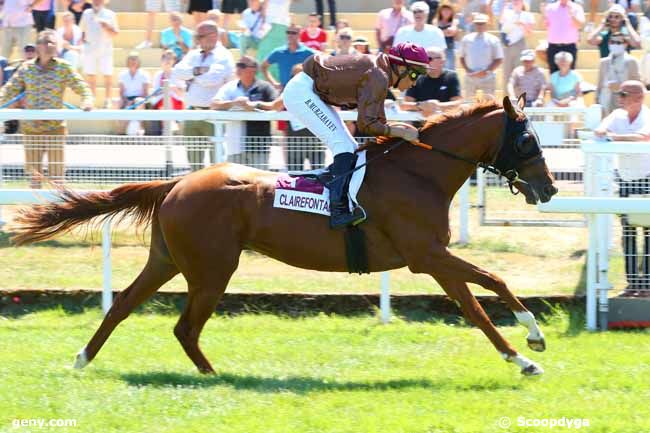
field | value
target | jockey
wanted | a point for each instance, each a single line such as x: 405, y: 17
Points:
x: 359, y: 81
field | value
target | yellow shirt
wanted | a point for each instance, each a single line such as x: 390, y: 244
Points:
x: 44, y: 89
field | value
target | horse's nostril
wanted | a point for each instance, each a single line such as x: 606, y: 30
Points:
x: 550, y: 190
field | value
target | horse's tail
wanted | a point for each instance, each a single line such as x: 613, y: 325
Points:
x: 137, y: 200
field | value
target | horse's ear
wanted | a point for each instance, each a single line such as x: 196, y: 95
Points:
x: 521, y: 101
x: 508, y: 107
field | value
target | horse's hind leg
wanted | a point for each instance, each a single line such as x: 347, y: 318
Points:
x: 204, y: 295
x: 158, y: 270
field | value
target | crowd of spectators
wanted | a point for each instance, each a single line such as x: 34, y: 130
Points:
x: 475, y: 40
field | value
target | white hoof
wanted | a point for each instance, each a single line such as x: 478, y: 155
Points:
x: 82, y: 360
x: 528, y: 367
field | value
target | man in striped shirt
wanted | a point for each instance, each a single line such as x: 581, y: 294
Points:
x: 42, y: 82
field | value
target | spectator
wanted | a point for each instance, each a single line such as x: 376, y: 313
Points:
x: 134, y: 83
x: 421, y: 33
x: 205, y: 69
x: 615, y: 21
x: 563, y: 20
x: 481, y: 54
x: 99, y: 26
x: 614, y: 69
x: 276, y: 14
x: 286, y: 57
x: 77, y: 8
x: 344, y: 43
x: 176, y: 87
x: 361, y: 45
x: 516, y: 23
x: 176, y: 37
x: 248, y: 94
x: 447, y: 22
x: 565, y: 82
x: 224, y: 35
x: 470, y: 9
x: 231, y: 7
x: 43, y: 81
x: 320, y: 10
x: 342, y: 24
x: 529, y: 79
x: 435, y: 92
x: 43, y: 14
x: 253, y: 27
x: 389, y: 22
x: 313, y: 36
x: 644, y: 33
x: 16, y: 24
x: 631, y: 122
x: 71, y: 37
x: 29, y: 53
x: 153, y: 6
x: 631, y: 8
x: 198, y: 9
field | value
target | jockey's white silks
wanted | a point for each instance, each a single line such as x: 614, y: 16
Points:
x: 320, y: 118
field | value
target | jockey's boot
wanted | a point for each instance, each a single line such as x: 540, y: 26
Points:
x: 340, y: 215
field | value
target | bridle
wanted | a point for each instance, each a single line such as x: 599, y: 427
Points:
x: 511, y: 156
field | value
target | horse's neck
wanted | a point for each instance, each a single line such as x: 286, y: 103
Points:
x: 475, y: 140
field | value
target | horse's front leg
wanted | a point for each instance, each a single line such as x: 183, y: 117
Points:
x: 455, y: 266
x: 453, y: 273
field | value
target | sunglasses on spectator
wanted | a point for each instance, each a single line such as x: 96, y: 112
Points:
x: 616, y: 42
x: 345, y: 37
x: 199, y: 37
x: 242, y: 65
x: 291, y: 32
x: 614, y: 17
x: 623, y: 93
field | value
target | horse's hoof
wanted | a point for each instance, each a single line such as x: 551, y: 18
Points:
x: 537, y: 345
x: 82, y: 360
x: 532, y: 370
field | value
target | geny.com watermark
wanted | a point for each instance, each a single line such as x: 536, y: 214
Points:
x: 43, y: 422
x: 564, y: 422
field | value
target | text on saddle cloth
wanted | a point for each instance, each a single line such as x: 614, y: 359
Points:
x: 309, y: 195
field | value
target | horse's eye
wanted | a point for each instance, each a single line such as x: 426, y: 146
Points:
x: 525, y: 144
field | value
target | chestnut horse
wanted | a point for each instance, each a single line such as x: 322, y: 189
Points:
x: 203, y: 221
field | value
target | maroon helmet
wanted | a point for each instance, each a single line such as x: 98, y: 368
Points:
x: 409, y: 55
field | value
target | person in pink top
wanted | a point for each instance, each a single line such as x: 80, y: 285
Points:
x: 563, y: 20
x: 313, y: 35
x: 389, y: 22
x: 43, y: 14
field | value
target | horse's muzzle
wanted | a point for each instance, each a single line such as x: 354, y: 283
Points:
x: 547, y: 192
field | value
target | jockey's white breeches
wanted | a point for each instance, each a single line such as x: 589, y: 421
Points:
x: 320, y: 118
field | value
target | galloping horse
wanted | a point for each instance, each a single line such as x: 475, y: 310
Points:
x: 203, y: 221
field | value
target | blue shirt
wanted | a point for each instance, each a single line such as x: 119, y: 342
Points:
x: 168, y: 39
x: 286, y: 60
x: 563, y: 87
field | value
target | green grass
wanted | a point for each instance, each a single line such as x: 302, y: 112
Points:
x: 317, y: 374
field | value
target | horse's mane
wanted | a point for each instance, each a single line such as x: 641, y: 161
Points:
x: 462, y: 112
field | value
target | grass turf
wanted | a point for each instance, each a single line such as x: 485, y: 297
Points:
x: 317, y: 374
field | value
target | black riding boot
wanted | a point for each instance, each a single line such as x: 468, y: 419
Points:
x: 339, y: 208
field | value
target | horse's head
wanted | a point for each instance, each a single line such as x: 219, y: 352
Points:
x: 520, y: 156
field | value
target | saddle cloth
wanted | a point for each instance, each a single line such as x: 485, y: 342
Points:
x: 305, y: 194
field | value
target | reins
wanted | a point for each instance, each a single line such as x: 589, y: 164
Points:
x: 511, y: 175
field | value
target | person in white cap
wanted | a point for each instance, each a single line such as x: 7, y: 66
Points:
x: 615, y: 21
x: 480, y: 54
x: 421, y: 33
x: 529, y: 79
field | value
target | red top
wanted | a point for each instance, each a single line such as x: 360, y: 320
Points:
x: 315, y: 43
